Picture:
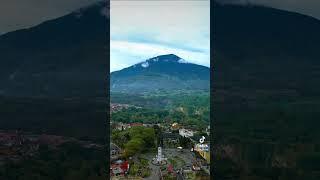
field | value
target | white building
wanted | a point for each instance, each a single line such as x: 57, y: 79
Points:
x: 185, y: 132
x: 122, y: 126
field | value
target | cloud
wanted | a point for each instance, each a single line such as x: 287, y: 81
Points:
x: 124, y: 54
x: 17, y: 14
x: 143, y: 29
x: 307, y: 7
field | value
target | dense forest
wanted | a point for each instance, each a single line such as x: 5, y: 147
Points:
x: 134, y: 141
x: 189, y: 109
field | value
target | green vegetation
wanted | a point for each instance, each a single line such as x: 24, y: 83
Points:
x: 140, y: 168
x: 180, y: 161
x: 176, y: 162
x: 135, y: 140
x: 169, y: 177
x: 172, y: 162
x: 186, y: 108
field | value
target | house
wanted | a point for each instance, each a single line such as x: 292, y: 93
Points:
x: 185, y: 133
x: 118, y: 107
x: 170, y: 137
x: 135, y: 124
x: 196, y: 167
x: 115, y: 151
x: 175, y: 126
x: 119, y: 168
x: 121, y: 126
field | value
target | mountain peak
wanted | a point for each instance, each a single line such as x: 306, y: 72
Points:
x: 97, y: 7
x: 165, y: 72
x: 166, y: 58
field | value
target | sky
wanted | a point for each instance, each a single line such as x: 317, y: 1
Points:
x: 18, y: 14
x: 144, y: 29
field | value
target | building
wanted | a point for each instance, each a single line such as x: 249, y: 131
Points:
x: 170, y: 136
x: 118, y: 107
x: 185, y: 133
x: 121, y: 126
x: 175, y: 126
x: 135, y: 125
x: 170, y: 139
x: 149, y: 125
x: 115, y: 152
x: 203, y: 150
x: 119, y: 168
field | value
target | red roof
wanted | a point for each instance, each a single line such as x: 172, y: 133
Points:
x: 125, y: 166
x: 136, y: 124
x: 170, y: 168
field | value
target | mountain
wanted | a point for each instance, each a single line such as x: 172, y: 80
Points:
x: 262, y: 52
x: 63, y: 57
x: 53, y: 75
x: 165, y: 72
x: 266, y: 93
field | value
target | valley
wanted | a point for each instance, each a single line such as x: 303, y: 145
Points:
x: 165, y: 112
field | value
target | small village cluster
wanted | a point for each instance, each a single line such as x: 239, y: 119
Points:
x: 114, y: 107
x: 15, y: 145
x: 196, y: 158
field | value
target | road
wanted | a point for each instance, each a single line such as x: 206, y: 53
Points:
x: 154, y: 169
x: 186, y: 156
x: 180, y: 177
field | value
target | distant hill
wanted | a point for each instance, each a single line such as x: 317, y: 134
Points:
x: 161, y: 73
x: 62, y: 57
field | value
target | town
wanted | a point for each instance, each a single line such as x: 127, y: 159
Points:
x: 178, y: 152
x: 16, y: 145
x: 114, y: 107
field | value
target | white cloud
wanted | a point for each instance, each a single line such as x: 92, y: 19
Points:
x: 124, y: 54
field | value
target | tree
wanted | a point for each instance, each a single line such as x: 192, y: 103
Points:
x: 134, y: 146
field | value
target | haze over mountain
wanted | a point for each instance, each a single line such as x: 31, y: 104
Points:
x: 165, y: 72
x: 58, y: 58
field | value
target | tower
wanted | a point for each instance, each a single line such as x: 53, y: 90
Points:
x: 159, y: 156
